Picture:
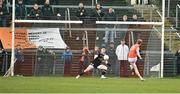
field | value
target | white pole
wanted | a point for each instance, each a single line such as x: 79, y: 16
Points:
x: 129, y: 22
x: 13, y: 31
x: 92, y: 2
x: 151, y: 15
x: 168, y: 8
x: 48, y: 21
x: 176, y: 16
x: 162, y: 39
x: 87, y: 41
x: 96, y: 1
x: 69, y: 19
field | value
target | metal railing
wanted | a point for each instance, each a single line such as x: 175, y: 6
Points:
x: 157, y: 11
x: 91, y: 7
x: 178, y: 34
x: 177, y: 11
x: 85, y: 39
x: 8, y: 72
x: 69, y: 19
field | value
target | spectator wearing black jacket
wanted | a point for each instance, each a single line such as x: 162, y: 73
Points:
x: 41, y: 2
x: 47, y: 11
x: 124, y: 27
x: 136, y: 34
x: 35, y: 12
x: 3, y: 14
x: 81, y: 15
x: 109, y: 33
x: 81, y: 12
x: 20, y: 10
x: 3, y: 63
x: 98, y: 13
x: 19, y: 55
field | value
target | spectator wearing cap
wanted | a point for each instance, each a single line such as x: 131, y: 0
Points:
x: 20, y: 10
x: 3, y: 14
x: 122, y: 51
x: 35, y: 12
x: 47, y: 11
x: 67, y: 59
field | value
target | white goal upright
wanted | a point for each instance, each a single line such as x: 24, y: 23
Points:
x: 159, y: 24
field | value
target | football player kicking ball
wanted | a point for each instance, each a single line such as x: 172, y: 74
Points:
x: 132, y: 57
x: 100, y: 62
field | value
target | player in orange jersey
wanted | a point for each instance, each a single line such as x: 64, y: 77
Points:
x: 132, y: 57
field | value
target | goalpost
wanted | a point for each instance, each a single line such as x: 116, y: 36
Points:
x: 80, y: 22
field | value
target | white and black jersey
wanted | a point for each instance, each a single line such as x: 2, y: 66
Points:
x: 98, y: 61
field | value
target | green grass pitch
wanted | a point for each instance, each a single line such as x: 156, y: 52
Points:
x: 88, y: 85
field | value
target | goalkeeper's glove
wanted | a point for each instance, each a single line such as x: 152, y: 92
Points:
x: 141, y: 58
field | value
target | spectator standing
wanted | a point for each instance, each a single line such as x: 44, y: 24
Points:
x: 50, y: 57
x: 41, y: 59
x: 98, y: 13
x: 81, y: 12
x: 20, y: 10
x: 20, y: 59
x: 136, y: 34
x: 19, y: 54
x: 3, y: 14
x: 124, y: 27
x: 122, y: 51
x: 35, y: 12
x: 47, y: 11
x: 178, y: 61
x: 3, y: 63
x: 109, y: 33
x: 111, y: 52
x: 67, y: 58
x: 81, y: 15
